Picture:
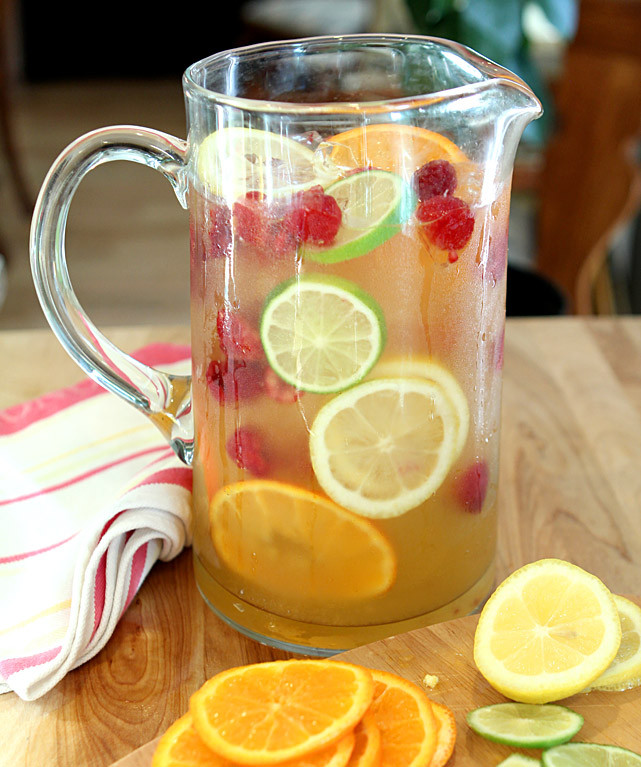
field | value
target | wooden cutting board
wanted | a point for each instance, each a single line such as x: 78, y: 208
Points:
x: 445, y: 650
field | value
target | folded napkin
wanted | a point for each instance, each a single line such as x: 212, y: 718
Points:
x: 91, y: 496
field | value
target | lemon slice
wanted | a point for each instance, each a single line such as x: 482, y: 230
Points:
x: 233, y: 161
x: 384, y: 446
x: 625, y: 670
x: 292, y: 541
x: 374, y: 203
x: 546, y: 632
x: 589, y: 755
x: 321, y: 333
x: 424, y: 367
x: 519, y: 760
x: 525, y: 725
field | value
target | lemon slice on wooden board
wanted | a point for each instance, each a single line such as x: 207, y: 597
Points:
x: 547, y: 632
x: 624, y: 672
x: 589, y: 755
x: 525, y: 725
x: 233, y: 161
x: 385, y: 446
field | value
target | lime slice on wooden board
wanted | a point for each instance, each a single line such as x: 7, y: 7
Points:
x: 589, y: 755
x: 525, y: 725
x: 321, y: 333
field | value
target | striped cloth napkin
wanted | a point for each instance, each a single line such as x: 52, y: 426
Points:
x: 91, y: 496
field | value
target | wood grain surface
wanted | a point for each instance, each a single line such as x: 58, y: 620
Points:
x: 570, y: 488
x: 446, y: 652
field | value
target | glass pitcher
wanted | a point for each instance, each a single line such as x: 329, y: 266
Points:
x: 349, y: 202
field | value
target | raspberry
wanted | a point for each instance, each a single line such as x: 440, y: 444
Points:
x: 471, y: 487
x: 235, y: 380
x: 315, y: 217
x: 447, y: 221
x: 250, y: 218
x: 238, y: 338
x: 279, y: 390
x: 435, y: 178
x: 213, y: 238
x: 246, y: 448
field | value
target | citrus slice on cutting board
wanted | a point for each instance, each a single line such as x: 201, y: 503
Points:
x: 405, y: 719
x: 589, y: 755
x: 367, y: 746
x: 305, y: 542
x: 547, y: 632
x: 181, y: 746
x: 321, y: 333
x: 446, y: 738
x: 384, y: 446
x: 430, y: 369
x: 374, y: 205
x: 272, y: 712
x: 397, y: 148
x: 525, y: 725
x: 624, y: 672
x: 233, y: 161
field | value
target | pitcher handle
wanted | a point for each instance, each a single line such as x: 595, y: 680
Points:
x: 164, y: 398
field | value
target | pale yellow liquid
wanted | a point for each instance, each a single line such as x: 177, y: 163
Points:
x: 444, y: 554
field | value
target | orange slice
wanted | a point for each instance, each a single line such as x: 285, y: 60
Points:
x: 407, y: 724
x: 266, y: 713
x: 181, y: 746
x: 291, y: 541
x: 446, y: 735
x: 400, y: 149
x: 367, y: 746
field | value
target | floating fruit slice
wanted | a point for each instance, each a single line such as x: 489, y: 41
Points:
x: 424, y: 367
x: 589, y: 755
x: 292, y: 541
x: 233, y: 161
x: 374, y: 204
x: 446, y: 738
x: 181, y: 746
x: 400, y: 149
x: 525, y: 725
x: 321, y: 333
x: 384, y: 446
x: 266, y: 713
x: 625, y: 670
x: 406, y: 721
x: 547, y: 632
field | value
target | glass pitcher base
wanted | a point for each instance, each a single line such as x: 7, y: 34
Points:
x: 323, y: 641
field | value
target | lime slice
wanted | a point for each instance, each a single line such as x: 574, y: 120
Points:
x: 525, y: 725
x: 385, y: 446
x: 375, y: 203
x: 321, y: 333
x: 519, y: 760
x: 624, y: 672
x: 233, y: 161
x: 425, y: 367
x: 589, y: 755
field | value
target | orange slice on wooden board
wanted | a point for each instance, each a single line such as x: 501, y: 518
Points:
x: 367, y: 746
x: 406, y: 720
x: 397, y: 148
x: 306, y: 543
x: 446, y: 735
x: 266, y: 713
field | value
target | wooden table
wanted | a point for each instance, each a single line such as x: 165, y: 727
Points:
x: 570, y: 488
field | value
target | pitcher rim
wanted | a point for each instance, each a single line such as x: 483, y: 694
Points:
x: 494, y: 73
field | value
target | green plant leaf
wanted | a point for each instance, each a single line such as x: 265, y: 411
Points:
x: 562, y: 14
x: 492, y: 28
